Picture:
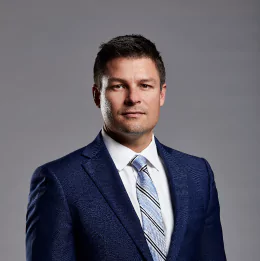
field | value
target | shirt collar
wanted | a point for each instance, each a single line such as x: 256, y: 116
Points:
x: 122, y: 155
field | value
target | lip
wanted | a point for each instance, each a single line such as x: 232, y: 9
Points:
x: 132, y: 114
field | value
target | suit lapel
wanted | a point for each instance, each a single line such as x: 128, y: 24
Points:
x: 100, y: 167
x: 178, y: 184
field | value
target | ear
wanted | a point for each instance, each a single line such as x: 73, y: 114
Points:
x: 162, y: 94
x: 96, y: 95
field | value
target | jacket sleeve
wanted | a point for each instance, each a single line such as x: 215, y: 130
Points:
x: 212, y: 245
x: 49, y: 235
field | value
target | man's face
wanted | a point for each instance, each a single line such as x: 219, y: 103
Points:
x: 130, y: 97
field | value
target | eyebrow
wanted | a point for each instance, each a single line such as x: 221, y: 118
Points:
x: 115, y: 79
x: 148, y: 80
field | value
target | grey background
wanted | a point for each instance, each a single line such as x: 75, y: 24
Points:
x: 211, y: 52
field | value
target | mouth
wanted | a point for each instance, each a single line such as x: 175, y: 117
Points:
x: 133, y: 114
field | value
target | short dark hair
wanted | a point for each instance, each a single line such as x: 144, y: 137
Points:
x: 129, y: 46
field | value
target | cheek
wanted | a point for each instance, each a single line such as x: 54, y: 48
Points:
x: 154, y: 105
x: 154, y: 110
x: 108, y: 104
x: 105, y: 104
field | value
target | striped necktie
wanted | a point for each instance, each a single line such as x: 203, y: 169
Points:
x: 152, y: 221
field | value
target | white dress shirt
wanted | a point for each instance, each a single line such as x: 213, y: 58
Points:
x: 121, y: 155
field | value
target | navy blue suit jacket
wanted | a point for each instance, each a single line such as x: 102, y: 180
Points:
x: 79, y: 210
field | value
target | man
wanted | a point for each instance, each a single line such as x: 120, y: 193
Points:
x: 125, y: 196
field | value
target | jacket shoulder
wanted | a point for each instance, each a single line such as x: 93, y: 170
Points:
x: 186, y: 159
x: 68, y: 163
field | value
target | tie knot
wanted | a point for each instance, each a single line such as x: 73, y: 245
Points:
x: 138, y: 162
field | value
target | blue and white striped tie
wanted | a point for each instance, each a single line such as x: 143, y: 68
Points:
x: 153, y: 225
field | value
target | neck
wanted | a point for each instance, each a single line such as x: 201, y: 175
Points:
x: 137, y: 143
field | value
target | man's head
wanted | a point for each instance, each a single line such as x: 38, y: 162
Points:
x: 129, y: 86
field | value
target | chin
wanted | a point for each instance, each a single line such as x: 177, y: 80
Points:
x: 132, y: 130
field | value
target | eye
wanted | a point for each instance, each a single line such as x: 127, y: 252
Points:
x: 145, y: 86
x: 118, y: 86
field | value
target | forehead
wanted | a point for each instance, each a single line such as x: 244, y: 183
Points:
x: 132, y: 67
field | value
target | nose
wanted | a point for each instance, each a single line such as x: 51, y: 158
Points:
x: 133, y: 96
